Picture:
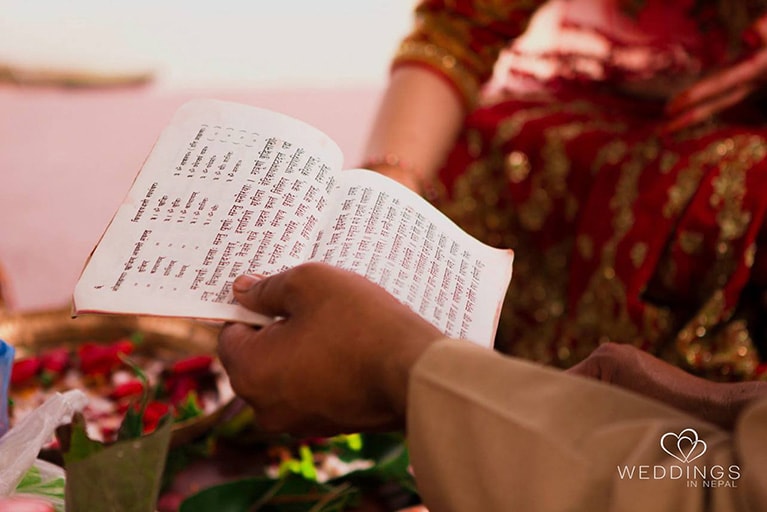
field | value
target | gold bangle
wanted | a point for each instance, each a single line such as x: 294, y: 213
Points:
x: 394, y: 161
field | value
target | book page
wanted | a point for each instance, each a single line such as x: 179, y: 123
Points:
x: 384, y: 231
x: 228, y: 189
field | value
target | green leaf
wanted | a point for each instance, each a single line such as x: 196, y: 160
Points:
x: 289, y: 494
x: 46, y: 378
x: 391, y: 462
x: 354, y: 442
x: 75, y: 442
x: 135, y: 369
x: 308, y: 470
x: 189, y: 408
x: 137, y: 337
x: 124, y: 476
x: 236, y: 496
x: 235, y: 426
x: 347, y: 447
x: 289, y: 466
x: 132, y: 426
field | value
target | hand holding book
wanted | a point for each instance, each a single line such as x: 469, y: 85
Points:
x: 230, y: 189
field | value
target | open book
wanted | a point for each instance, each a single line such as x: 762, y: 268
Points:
x: 231, y: 189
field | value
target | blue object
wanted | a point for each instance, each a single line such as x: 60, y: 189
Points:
x: 6, y: 365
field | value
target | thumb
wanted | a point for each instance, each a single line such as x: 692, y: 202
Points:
x: 265, y: 295
x: 595, y: 366
x: 585, y: 368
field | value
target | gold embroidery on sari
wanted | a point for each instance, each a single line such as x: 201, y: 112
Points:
x: 517, y: 166
x: 436, y: 57
x: 550, y: 183
x: 679, y: 195
x: 464, y: 48
x: 602, y: 311
x: 727, y: 197
x: 667, y: 161
x: 475, y: 203
x: 585, y: 246
x: 749, y: 257
x: 511, y: 127
x: 474, y: 143
x: 711, y: 343
x: 536, y: 323
x: 638, y: 254
x: 723, y: 353
x: 690, y: 243
x: 612, y: 153
x: 531, y: 323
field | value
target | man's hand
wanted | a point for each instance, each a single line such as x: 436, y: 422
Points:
x: 336, y: 360
x: 633, y: 369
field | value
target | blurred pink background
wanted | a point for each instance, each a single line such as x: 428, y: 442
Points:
x: 68, y: 157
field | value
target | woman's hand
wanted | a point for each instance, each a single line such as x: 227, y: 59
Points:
x: 720, y: 90
x: 337, y: 359
x: 633, y: 369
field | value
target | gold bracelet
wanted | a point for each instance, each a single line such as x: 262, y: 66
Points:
x: 394, y: 161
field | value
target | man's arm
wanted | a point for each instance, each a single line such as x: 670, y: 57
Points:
x: 630, y: 368
x: 492, y: 433
x: 486, y: 432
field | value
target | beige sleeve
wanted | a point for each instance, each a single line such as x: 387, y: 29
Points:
x: 495, y: 434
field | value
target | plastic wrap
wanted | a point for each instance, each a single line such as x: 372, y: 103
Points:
x: 20, y: 446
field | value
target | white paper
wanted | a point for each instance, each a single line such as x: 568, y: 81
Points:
x: 387, y: 233
x: 230, y: 190
x: 218, y: 197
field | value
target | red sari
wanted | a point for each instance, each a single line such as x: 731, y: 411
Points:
x: 620, y: 234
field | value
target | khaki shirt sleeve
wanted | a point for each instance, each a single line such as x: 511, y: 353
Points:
x: 491, y: 433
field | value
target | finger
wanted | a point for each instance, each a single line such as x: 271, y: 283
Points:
x: 265, y: 295
x: 586, y: 368
x: 245, y: 353
x: 285, y: 293
x: 705, y: 110
x: 748, y: 71
x: 231, y: 342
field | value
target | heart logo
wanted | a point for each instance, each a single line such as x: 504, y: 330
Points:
x: 684, y: 446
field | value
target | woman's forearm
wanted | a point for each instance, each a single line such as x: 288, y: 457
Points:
x: 418, y: 120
